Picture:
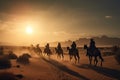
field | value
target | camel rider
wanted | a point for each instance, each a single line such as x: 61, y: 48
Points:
x: 47, y: 46
x: 92, y: 46
x: 73, y: 46
x: 59, y: 46
x: 37, y: 46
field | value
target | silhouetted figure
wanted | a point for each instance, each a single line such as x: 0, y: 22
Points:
x: 96, y: 53
x: 35, y: 49
x: 92, y: 46
x: 37, y: 45
x: 59, y: 50
x: 47, y: 50
x: 47, y: 46
x: 73, y: 46
x: 32, y: 49
x: 38, y: 50
x: 73, y: 52
x: 59, y: 46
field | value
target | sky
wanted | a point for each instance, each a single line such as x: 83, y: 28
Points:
x: 57, y: 20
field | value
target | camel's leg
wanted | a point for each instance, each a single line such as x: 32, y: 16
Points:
x: 75, y: 59
x: 101, y: 63
x: 48, y: 55
x: 90, y: 60
x: 78, y: 58
x: 59, y: 56
x: 62, y: 55
x: 70, y: 57
x: 95, y: 61
x: 101, y: 58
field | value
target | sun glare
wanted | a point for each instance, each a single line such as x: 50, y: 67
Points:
x: 29, y: 30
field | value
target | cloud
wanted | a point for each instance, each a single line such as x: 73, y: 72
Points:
x: 60, y: 33
x: 108, y: 17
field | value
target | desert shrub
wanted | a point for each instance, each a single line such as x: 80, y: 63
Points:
x: 4, y: 62
x: 18, y: 66
x: 27, y: 55
x: 7, y: 76
x: 19, y: 76
x: 11, y: 55
x: 116, y: 50
x: 23, y: 59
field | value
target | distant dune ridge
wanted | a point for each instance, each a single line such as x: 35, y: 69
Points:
x: 103, y: 41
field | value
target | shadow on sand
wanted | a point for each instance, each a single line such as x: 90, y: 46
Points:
x: 103, y: 70
x: 65, y: 69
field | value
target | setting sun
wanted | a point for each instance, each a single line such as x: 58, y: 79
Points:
x: 29, y: 30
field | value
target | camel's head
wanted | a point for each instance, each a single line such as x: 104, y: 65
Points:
x: 85, y: 46
x: 68, y: 48
x: 55, y: 48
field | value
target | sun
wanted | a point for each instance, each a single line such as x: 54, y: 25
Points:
x: 29, y: 30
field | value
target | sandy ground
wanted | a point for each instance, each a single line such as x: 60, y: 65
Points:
x: 43, y: 68
x: 84, y: 71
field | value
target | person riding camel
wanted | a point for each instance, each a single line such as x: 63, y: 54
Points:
x: 47, y: 49
x: 47, y: 46
x: 92, y: 46
x: 59, y: 46
x: 37, y: 46
x: 73, y: 46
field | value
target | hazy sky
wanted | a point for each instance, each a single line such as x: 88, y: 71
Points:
x: 57, y: 20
